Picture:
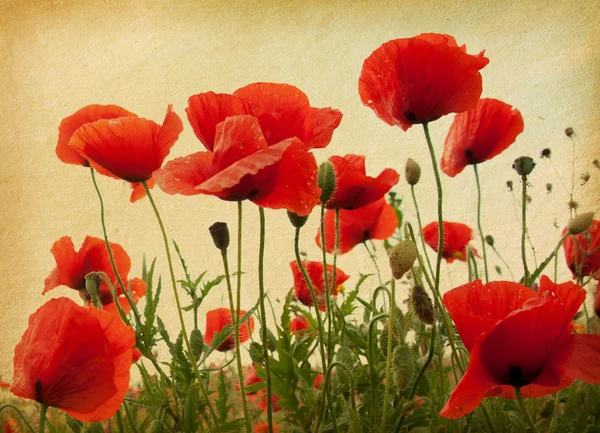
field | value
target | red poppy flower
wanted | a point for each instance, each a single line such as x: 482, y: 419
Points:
x: 582, y: 251
x: 318, y: 381
x: 283, y: 112
x: 377, y: 220
x: 299, y: 324
x: 11, y: 426
x: 525, y: 340
x: 353, y: 188
x: 243, y: 166
x: 72, y: 267
x: 128, y: 148
x: 250, y: 378
x: 74, y: 358
x: 420, y: 79
x: 479, y: 134
x: 217, y: 319
x: 315, y: 273
x: 456, y: 239
x: 262, y: 401
x: 263, y: 427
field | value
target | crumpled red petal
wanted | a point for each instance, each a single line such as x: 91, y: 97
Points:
x: 183, y: 175
x: 315, y: 272
x: 456, y: 239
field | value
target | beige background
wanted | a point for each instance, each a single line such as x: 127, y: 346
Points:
x: 57, y: 56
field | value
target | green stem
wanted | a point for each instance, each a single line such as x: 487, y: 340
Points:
x: 524, y: 410
x: 374, y: 262
x: 375, y: 293
x: 326, y: 284
x: 524, y: 230
x: 414, y: 197
x: 10, y: 406
x: 334, y: 279
x: 263, y: 317
x: 548, y: 259
x: 129, y: 418
x: 512, y: 276
x: 372, y: 370
x: 236, y: 326
x: 388, y: 362
x: 485, y: 264
x: 43, y: 409
x: 179, y: 309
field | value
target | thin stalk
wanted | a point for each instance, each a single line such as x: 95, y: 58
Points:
x: 373, y: 371
x: 524, y: 411
x: 485, y: 264
x: 179, y: 310
x: 42, y: 424
x: 374, y: 262
x: 10, y: 406
x: 512, y: 276
x: 524, y: 230
x: 388, y: 362
x: 414, y: 197
x: 547, y: 260
x: 263, y: 317
x: 120, y: 422
x: 326, y: 284
x: 375, y: 293
x: 236, y: 324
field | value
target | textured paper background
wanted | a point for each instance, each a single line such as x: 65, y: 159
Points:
x: 57, y: 56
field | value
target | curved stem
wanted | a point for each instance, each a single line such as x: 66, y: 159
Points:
x: 524, y: 230
x: 374, y: 298
x: 414, y: 197
x: 179, y: 310
x: 236, y: 326
x: 10, y: 406
x: 263, y: 317
x: 372, y: 370
x: 350, y: 378
x: 42, y: 424
x: 388, y: 362
x: 374, y: 262
x: 524, y: 410
x: 485, y: 264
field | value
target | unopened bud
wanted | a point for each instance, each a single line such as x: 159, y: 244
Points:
x: 297, y: 220
x: 402, y: 257
x: 547, y: 408
x: 326, y: 180
x: 549, y: 188
x: 271, y: 341
x: 580, y: 223
x: 546, y: 153
x: 523, y: 165
x: 403, y: 366
x: 344, y: 355
x: 256, y: 353
x: 413, y: 171
x: 220, y: 234
x: 569, y: 132
x: 196, y: 343
x: 422, y: 305
x: 489, y: 240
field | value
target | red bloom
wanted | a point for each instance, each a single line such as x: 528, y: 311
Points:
x: 136, y: 355
x: 283, y: 112
x: 353, y: 188
x: 244, y: 166
x: 128, y: 148
x: 456, y: 238
x: 582, y: 251
x: 72, y: 267
x: 250, y: 378
x: 217, y: 319
x: 299, y: 324
x: 262, y: 402
x: 315, y: 273
x: 377, y: 220
x: 420, y: 79
x: 519, y: 337
x: 74, y: 358
x: 479, y: 134
x: 263, y: 427
x: 318, y: 381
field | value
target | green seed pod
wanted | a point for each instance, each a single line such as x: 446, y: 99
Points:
x: 345, y: 356
x: 326, y: 180
x: 546, y: 409
x: 403, y: 367
x: 580, y: 223
x: 412, y: 171
x: 92, y: 284
x: 220, y: 235
x: 271, y: 341
x: 297, y: 220
x: 523, y: 165
x: 256, y: 352
x: 197, y: 343
x: 397, y: 336
x: 402, y: 257
x: 422, y: 305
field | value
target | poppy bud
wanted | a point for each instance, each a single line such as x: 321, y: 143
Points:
x: 196, y: 343
x: 319, y: 399
x: 489, y: 240
x: 73, y: 424
x: 345, y: 356
x: 546, y: 153
x: 523, y: 165
x: 297, y: 220
x: 403, y: 366
x: 569, y: 132
x: 580, y: 223
x: 256, y: 353
x: 92, y: 283
x: 509, y: 185
x: 547, y: 408
x: 271, y: 341
x: 422, y: 305
x: 402, y: 257
x: 220, y: 234
x: 549, y: 188
x: 326, y: 180
x: 413, y: 171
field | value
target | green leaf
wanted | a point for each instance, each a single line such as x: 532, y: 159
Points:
x: 191, y: 418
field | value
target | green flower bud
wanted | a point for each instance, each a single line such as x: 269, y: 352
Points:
x: 326, y: 180
x: 271, y: 341
x: 403, y: 366
x: 489, y: 240
x: 196, y: 343
x: 402, y: 257
x: 92, y: 284
x: 297, y: 220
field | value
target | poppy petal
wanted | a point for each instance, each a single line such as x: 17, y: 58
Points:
x: 320, y: 125
x: 456, y: 239
x: 578, y: 356
x: 138, y: 192
x: 315, y: 272
x: 236, y: 138
x: 206, y: 110
x: 183, y: 175
x: 72, y: 123
x: 475, y: 308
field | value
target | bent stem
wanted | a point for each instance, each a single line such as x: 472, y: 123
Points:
x: 485, y: 264
x: 263, y: 317
x: 524, y: 410
x: 179, y: 310
x: 43, y: 410
x: 388, y: 362
x: 236, y: 324
x: 372, y: 370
